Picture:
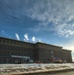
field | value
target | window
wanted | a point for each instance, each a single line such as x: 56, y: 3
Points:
x: 0, y: 40
x: 7, y: 41
x: 52, y: 56
x: 17, y: 43
x: 14, y: 42
x: 51, y: 52
x: 3, y: 41
x: 11, y: 42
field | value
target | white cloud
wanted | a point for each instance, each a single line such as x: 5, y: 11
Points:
x: 17, y: 36
x: 33, y: 39
x: 69, y: 44
x: 65, y: 30
x: 39, y: 40
x: 26, y: 37
x: 69, y: 47
x: 5, y: 33
x: 58, y: 12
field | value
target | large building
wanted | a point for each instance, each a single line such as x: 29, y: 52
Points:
x: 14, y: 51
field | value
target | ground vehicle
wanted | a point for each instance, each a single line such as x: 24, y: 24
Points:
x: 22, y: 59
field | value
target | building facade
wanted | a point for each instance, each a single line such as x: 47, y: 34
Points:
x: 14, y: 51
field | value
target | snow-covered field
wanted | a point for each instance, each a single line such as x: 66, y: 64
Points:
x: 9, y: 69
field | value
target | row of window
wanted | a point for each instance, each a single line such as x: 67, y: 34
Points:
x: 15, y: 48
x: 50, y: 46
x: 46, y: 51
x: 15, y: 43
x: 16, y: 53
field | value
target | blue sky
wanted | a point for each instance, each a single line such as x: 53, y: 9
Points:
x: 48, y: 21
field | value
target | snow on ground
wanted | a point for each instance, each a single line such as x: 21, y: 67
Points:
x: 8, y: 69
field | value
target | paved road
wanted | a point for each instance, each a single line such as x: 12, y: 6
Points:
x: 64, y: 73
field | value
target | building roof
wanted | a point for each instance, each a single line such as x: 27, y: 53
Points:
x: 48, y: 44
x: 35, y: 43
x: 16, y: 40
